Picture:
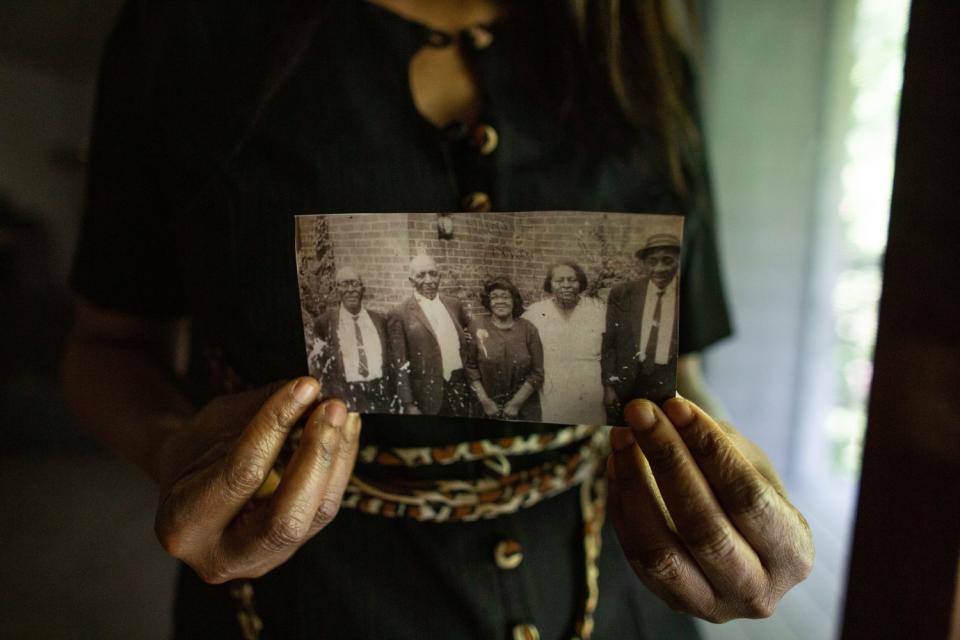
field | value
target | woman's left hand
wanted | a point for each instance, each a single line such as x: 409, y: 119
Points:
x: 511, y: 410
x: 704, y: 526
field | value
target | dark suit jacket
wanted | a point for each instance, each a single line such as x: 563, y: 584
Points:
x: 620, y: 359
x: 335, y: 380
x: 416, y: 352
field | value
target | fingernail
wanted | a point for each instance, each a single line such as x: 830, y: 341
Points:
x: 621, y: 438
x: 640, y: 414
x: 305, y: 391
x: 352, y: 428
x: 335, y: 412
x: 679, y: 411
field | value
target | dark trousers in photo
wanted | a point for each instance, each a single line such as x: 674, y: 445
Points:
x: 368, y: 396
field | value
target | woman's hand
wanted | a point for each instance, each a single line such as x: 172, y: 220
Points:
x: 216, y: 463
x: 490, y: 408
x: 701, y: 525
x: 511, y: 410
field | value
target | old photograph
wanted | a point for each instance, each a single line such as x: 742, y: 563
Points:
x: 556, y: 317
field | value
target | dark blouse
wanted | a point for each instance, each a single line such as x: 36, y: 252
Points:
x: 176, y: 223
x: 503, y: 359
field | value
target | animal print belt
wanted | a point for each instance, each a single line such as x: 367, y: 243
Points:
x: 502, y: 491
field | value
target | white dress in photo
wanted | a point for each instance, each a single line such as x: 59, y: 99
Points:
x: 572, y: 391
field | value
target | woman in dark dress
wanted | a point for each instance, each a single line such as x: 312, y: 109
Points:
x: 216, y: 123
x: 505, y: 367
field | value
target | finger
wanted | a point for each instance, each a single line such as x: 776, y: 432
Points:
x: 339, y: 475
x: 248, y: 464
x: 285, y: 520
x: 726, y: 559
x: 653, y: 549
x: 201, y: 505
x: 765, y: 519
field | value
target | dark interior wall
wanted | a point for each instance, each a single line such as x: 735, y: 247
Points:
x: 48, y: 59
x: 43, y: 116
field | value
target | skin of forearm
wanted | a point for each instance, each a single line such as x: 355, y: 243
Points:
x: 478, y: 389
x: 124, y: 396
x: 524, y: 392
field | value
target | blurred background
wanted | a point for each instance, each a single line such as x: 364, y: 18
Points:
x: 800, y: 105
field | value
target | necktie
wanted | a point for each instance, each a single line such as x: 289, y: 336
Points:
x: 650, y: 353
x: 362, y: 367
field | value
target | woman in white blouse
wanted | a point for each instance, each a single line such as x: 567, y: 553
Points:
x: 571, y: 330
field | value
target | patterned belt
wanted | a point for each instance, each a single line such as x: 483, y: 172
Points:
x: 501, y: 492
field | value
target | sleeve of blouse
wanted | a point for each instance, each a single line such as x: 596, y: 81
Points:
x: 126, y: 259
x: 704, y: 314
x: 535, y: 377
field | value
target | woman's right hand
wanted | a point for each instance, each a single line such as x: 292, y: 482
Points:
x: 490, y: 408
x: 214, y: 465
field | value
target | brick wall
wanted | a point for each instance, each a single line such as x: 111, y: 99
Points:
x: 484, y: 245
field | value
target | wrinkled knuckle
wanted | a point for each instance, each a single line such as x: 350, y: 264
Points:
x: 214, y: 569
x: 283, y: 413
x: 802, y: 563
x: 282, y: 532
x: 759, y: 606
x: 717, y: 615
x: 667, y: 457
x: 171, y: 539
x: 272, y: 420
x: 242, y: 478
x: 325, y: 452
x: 663, y: 564
x: 754, y: 501
x: 214, y: 575
x: 326, y: 512
x: 169, y: 528
x: 707, y: 444
x: 712, y: 542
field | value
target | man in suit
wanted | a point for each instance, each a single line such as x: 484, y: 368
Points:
x: 639, y: 358
x: 429, y: 346
x: 356, y: 366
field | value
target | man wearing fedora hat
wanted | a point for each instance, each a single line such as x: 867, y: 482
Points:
x: 639, y: 357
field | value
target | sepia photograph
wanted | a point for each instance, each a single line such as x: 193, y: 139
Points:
x: 555, y: 317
